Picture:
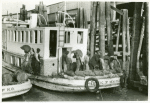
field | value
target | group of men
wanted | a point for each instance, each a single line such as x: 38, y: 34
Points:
x: 94, y: 63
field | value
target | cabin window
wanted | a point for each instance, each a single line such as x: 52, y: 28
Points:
x: 3, y: 55
x: 5, y: 32
x: 19, y: 62
x: 27, y: 36
x: 15, y: 36
x: 52, y: 43
x: 3, y: 36
x: 67, y: 37
x: 31, y: 36
x: 18, y: 36
x: 12, y: 38
x: 41, y: 36
x: 13, y: 60
x: 80, y: 37
x: 35, y: 36
x: 22, y: 36
x: 9, y: 35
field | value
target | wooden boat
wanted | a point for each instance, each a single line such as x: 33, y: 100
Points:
x: 72, y: 84
x: 52, y: 41
x: 51, y: 64
x: 15, y: 89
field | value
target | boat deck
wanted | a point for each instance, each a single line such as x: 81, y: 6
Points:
x: 9, y: 66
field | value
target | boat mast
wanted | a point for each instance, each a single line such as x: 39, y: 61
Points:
x: 17, y: 16
x: 65, y: 12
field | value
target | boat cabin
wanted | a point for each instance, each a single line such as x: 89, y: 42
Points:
x: 52, y: 41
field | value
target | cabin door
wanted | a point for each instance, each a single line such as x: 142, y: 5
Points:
x: 53, y: 43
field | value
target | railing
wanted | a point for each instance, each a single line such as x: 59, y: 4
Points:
x: 14, y: 59
x: 24, y: 35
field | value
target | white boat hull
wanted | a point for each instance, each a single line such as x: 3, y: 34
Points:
x: 15, y: 90
x: 66, y: 85
x: 71, y: 84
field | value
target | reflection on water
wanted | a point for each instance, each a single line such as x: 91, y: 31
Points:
x: 40, y: 94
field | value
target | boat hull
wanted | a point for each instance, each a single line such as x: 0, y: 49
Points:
x: 15, y: 90
x: 69, y: 83
x: 66, y: 85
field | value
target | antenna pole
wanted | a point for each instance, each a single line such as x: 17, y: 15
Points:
x: 65, y: 12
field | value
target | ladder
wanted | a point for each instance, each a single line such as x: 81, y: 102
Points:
x: 61, y: 34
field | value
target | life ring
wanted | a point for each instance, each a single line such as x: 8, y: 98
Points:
x: 92, y: 82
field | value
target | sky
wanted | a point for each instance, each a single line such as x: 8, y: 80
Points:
x: 13, y: 6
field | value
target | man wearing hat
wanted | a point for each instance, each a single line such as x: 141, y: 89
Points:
x: 66, y: 60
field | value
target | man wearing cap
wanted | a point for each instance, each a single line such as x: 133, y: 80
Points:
x: 94, y: 62
x: 66, y: 60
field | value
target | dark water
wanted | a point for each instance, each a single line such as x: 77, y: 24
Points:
x: 40, y: 94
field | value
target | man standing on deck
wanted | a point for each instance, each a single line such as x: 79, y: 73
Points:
x: 66, y: 60
x: 97, y: 61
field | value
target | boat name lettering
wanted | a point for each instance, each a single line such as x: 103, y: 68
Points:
x: 8, y: 89
x: 108, y: 82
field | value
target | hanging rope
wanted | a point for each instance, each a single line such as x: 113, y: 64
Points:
x: 43, y: 18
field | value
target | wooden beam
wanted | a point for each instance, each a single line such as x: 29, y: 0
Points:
x: 135, y: 39
x: 117, y: 10
x: 109, y: 33
x: 128, y: 36
x: 81, y: 18
x: 93, y: 28
x: 102, y: 27
x: 113, y: 12
x: 124, y: 34
x: 140, y: 46
x: 128, y: 48
x: 78, y: 18
x: 146, y: 41
x: 118, y: 34
x: 85, y: 19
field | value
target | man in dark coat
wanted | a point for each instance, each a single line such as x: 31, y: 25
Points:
x: 94, y: 62
x: 66, y: 59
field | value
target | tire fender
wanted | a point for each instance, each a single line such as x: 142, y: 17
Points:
x: 87, y: 87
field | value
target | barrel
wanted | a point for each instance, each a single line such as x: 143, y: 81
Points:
x: 7, y: 78
x: 21, y: 76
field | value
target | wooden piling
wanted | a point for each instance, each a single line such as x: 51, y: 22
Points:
x: 78, y: 18
x: 140, y: 45
x: 124, y: 34
x: 109, y: 33
x: 113, y: 12
x: 93, y: 28
x: 118, y: 34
x: 81, y: 18
x: 128, y: 47
x: 146, y: 39
x: 85, y: 19
x: 135, y: 39
x: 102, y: 27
